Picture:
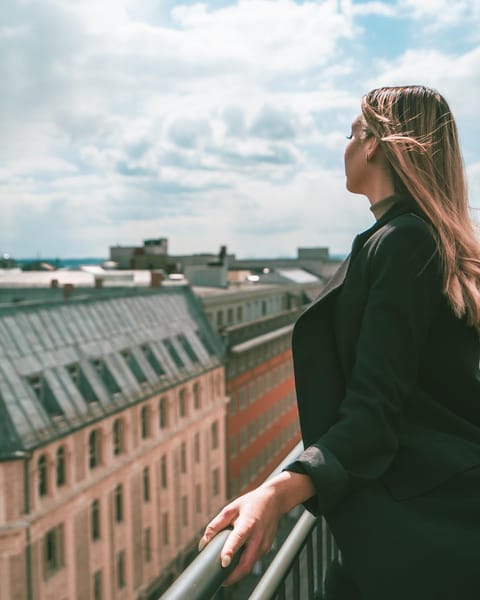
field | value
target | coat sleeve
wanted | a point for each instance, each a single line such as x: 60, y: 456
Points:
x: 404, y: 290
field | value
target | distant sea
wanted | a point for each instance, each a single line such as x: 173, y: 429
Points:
x: 62, y: 263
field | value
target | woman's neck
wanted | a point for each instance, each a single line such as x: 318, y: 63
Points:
x: 382, y: 206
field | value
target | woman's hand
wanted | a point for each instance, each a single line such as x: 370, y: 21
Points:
x: 254, y: 518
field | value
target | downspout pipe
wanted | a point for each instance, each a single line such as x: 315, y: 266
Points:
x: 26, y: 456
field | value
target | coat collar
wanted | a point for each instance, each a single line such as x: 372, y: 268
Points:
x: 400, y: 207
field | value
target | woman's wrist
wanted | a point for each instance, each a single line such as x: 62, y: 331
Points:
x: 290, y: 489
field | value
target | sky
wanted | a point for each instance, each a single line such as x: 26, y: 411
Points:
x: 208, y: 123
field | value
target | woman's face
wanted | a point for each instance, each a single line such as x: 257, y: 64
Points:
x: 355, y: 159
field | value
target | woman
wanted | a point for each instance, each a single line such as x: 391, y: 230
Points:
x: 387, y: 375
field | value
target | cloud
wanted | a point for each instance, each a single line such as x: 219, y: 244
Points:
x: 441, y: 14
x: 125, y: 119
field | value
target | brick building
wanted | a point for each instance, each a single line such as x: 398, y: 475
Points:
x: 112, y: 442
x: 256, y: 321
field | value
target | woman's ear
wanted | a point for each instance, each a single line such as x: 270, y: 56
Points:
x: 372, y: 148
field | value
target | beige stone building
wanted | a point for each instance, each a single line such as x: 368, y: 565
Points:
x: 112, y: 442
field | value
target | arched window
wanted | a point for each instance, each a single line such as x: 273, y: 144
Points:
x: 95, y: 448
x: 95, y: 529
x: 61, y: 467
x: 118, y: 437
x: 197, y: 399
x: 145, y: 422
x: 163, y: 413
x: 182, y: 403
x: 118, y: 495
x: 42, y: 466
x: 146, y: 484
x: 183, y: 458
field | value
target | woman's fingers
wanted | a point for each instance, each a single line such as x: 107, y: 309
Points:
x: 252, y: 552
x: 235, y: 541
x: 218, y: 523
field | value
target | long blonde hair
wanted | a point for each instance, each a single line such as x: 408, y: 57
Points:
x: 418, y: 135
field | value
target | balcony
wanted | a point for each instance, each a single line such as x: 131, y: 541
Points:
x: 295, y: 572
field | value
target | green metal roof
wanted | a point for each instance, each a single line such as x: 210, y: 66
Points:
x: 42, y: 345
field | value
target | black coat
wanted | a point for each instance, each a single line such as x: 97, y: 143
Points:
x: 388, y: 391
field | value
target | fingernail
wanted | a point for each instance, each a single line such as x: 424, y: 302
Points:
x: 226, y: 561
x: 201, y: 544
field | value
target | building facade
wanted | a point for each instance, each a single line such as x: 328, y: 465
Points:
x: 255, y: 321
x: 112, y: 443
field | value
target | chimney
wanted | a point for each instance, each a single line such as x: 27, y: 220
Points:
x: 99, y: 282
x: 54, y: 283
x: 67, y: 290
x: 156, y: 278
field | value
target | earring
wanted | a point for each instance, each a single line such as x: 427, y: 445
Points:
x: 366, y: 158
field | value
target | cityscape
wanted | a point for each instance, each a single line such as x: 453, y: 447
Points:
x: 137, y: 397
x: 172, y: 186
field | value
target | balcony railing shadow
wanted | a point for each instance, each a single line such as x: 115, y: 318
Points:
x: 296, y: 572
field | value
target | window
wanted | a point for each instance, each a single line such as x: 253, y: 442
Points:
x: 184, y: 510
x: 239, y: 314
x: 97, y: 585
x: 243, y: 398
x: 165, y: 531
x: 94, y: 448
x: 163, y: 413
x: 243, y: 477
x: 121, y: 569
x: 216, y: 481
x: 45, y: 395
x: 82, y: 383
x: 145, y: 422
x: 233, y: 403
x: 189, y: 351
x: 182, y: 403
x: 219, y: 318
x: 146, y: 484
x: 230, y: 316
x: 95, y: 522
x: 147, y: 544
x: 42, y: 467
x: 163, y: 471
x: 132, y: 362
x: 61, y: 477
x: 106, y: 376
x: 252, y: 392
x: 196, y: 446
x: 172, y: 351
x: 118, y: 500
x: 233, y: 446
x: 183, y: 458
x: 118, y: 437
x: 197, y: 400
x: 198, y: 497
x: 53, y: 552
x: 214, y: 432
x: 153, y: 360
x: 243, y: 437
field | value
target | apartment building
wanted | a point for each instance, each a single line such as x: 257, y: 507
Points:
x: 112, y: 441
x: 255, y: 321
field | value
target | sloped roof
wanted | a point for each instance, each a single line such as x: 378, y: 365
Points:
x: 298, y: 275
x: 45, y: 343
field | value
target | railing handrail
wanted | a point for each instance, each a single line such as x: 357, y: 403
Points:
x: 204, y: 575
x: 286, y: 554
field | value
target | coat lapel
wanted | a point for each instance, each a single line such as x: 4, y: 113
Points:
x: 338, y: 277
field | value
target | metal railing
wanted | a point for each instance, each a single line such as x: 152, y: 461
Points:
x: 295, y: 573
